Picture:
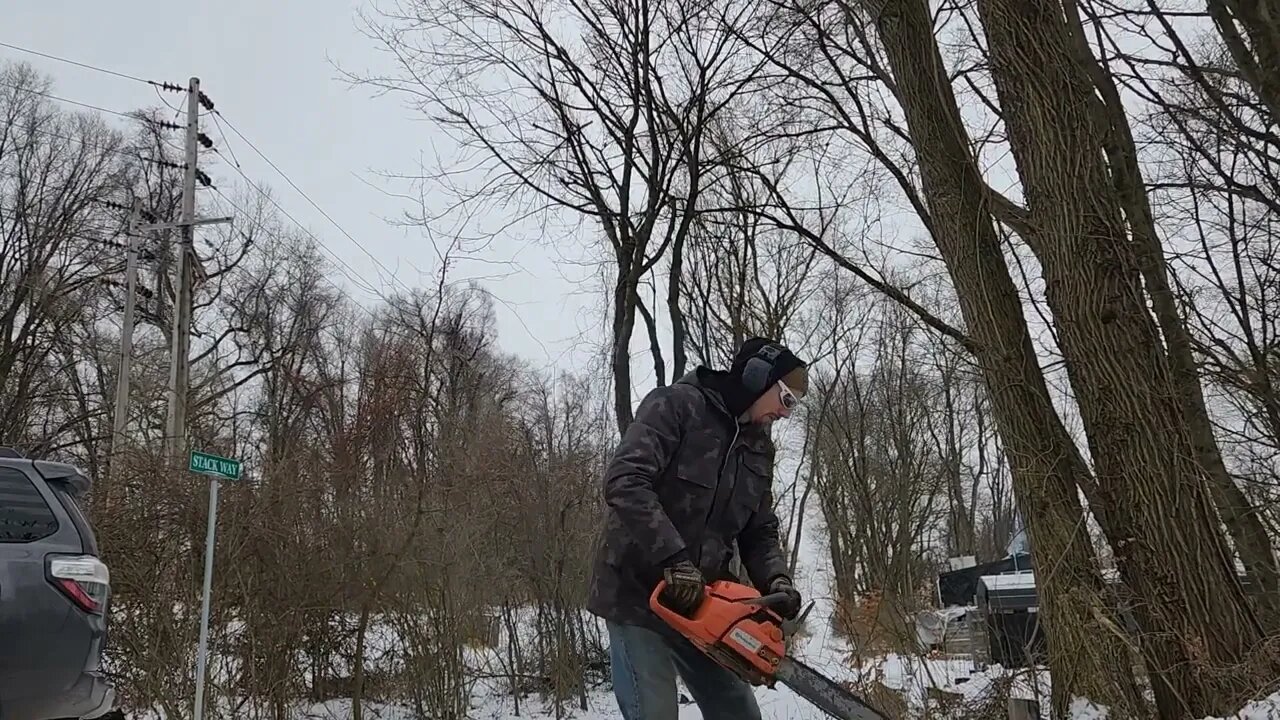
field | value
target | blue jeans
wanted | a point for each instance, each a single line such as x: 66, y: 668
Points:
x: 644, y: 666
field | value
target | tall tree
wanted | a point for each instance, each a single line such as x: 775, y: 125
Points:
x: 956, y: 209
x: 59, y: 247
x: 605, y: 113
x: 1137, y: 431
x: 1238, y: 515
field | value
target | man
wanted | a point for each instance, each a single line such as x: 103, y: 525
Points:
x: 690, y: 477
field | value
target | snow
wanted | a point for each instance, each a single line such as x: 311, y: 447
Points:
x: 1267, y: 708
x: 1010, y: 581
x: 911, y: 675
x: 1085, y: 709
x: 926, y: 686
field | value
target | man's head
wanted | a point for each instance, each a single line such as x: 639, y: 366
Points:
x: 772, y: 378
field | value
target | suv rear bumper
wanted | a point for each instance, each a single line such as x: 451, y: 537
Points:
x: 102, y: 698
x: 92, y: 696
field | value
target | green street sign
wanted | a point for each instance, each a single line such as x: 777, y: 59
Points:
x: 214, y: 465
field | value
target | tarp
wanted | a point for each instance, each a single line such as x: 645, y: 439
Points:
x: 932, y: 625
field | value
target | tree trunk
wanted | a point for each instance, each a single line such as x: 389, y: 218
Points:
x: 679, y: 358
x: 1238, y: 514
x: 1046, y: 465
x: 625, y: 298
x: 1256, y: 52
x: 963, y: 540
x: 357, y: 671
x: 1160, y: 521
x: 655, y: 344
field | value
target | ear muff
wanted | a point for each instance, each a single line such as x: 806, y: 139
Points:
x: 755, y: 373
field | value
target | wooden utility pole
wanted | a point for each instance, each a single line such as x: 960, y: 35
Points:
x: 180, y: 357
x: 121, y: 416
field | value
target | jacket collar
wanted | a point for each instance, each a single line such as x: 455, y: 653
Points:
x: 753, y: 434
x: 695, y: 378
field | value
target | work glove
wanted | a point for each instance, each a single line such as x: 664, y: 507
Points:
x: 685, y: 588
x: 789, y: 608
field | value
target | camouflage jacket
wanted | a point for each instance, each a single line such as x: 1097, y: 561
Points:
x: 686, y: 476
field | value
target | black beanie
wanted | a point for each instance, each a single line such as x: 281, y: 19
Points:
x: 785, y: 367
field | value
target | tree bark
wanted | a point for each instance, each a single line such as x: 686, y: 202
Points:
x: 1196, y: 623
x: 625, y: 298
x: 1238, y: 514
x: 1046, y: 465
x: 655, y: 344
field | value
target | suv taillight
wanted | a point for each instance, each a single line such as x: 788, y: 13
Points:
x: 82, y: 578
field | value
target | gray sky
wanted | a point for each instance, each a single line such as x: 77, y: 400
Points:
x: 268, y: 67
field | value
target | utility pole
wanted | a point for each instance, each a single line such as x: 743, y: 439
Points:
x: 121, y: 416
x: 180, y: 360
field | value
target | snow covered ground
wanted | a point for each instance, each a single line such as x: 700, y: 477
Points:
x: 922, y: 687
x: 912, y: 676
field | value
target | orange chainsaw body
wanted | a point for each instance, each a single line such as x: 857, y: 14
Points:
x: 733, y: 628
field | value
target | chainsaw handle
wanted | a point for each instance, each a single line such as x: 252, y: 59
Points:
x: 655, y: 598
x: 745, y: 596
x: 770, y: 601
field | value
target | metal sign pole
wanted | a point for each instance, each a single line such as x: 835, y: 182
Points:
x: 202, y: 654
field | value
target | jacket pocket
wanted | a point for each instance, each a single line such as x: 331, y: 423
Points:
x: 687, y: 499
x: 697, y: 479
x: 757, y: 464
x: 754, y: 476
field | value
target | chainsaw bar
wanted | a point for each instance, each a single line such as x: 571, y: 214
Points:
x: 824, y: 692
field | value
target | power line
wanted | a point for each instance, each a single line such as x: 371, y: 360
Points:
x: 341, y: 290
x: 121, y: 151
x: 164, y: 86
x: 51, y: 96
x: 307, y: 197
x: 368, y: 286
x: 235, y: 160
x: 208, y: 105
x: 358, y: 280
x: 125, y: 152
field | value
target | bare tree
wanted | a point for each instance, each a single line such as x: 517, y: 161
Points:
x: 58, y: 243
x: 605, y: 114
x: 882, y: 482
x: 841, y: 78
x: 743, y: 275
x: 1138, y: 433
x: 1214, y: 154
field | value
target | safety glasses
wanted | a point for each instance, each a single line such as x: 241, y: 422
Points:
x: 789, y: 399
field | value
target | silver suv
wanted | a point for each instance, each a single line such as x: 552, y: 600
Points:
x: 54, y: 594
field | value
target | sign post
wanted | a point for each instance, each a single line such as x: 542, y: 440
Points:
x: 215, y: 468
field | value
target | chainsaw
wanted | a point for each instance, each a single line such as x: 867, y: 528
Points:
x: 736, y: 626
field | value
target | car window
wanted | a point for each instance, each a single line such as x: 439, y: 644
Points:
x: 63, y: 491
x: 24, y: 515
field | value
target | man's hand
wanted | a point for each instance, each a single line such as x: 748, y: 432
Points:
x: 685, y: 588
x: 791, y: 607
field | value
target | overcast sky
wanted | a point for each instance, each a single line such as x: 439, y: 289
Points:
x: 269, y: 68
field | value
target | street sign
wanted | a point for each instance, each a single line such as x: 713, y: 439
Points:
x: 217, y: 468
x: 214, y: 465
